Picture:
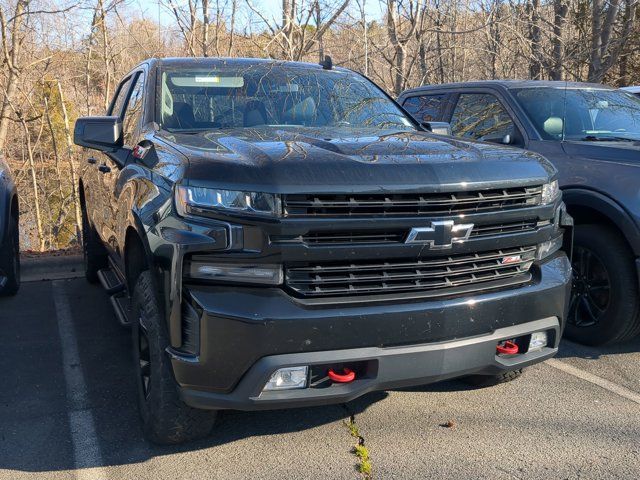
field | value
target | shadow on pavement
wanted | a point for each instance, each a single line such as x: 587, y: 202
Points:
x: 570, y: 349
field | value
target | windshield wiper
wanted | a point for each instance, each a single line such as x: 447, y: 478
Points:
x: 594, y: 138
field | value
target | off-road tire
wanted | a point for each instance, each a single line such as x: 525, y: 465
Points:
x: 621, y: 319
x: 94, y: 254
x: 166, y: 419
x: 10, y: 259
x: 482, y: 381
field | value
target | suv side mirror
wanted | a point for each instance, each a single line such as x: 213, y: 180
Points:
x: 439, y: 128
x: 98, y: 133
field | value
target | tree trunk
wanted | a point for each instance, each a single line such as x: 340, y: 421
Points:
x: 9, y: 94
x: 205, y: 28
x: 34, y: 185
x: 72, y: 165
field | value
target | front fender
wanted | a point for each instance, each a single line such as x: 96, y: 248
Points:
x: 580, y: 197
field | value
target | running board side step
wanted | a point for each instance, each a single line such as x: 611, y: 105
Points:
x: 110, y: 281
x: 122, y: 308
x: 117, y: 291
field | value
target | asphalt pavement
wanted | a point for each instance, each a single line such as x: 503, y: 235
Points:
x: 68, y: 411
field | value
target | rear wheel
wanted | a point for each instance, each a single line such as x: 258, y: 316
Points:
x: 95, y: 257
x: 605, y: 300
x: 10, y: 259
x: 166, y: 418
x: 482, y: 381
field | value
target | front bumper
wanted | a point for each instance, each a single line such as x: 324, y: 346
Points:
x: 386, y: 368
x: 248, y: 333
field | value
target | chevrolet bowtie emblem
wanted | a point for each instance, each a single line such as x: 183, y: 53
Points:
x: 440, y: 235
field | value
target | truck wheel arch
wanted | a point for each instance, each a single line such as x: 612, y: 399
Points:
x: 587, y: 206
x: 135, y: 257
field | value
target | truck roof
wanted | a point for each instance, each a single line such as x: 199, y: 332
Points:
x: 512, y: 84
x: 239, y: 62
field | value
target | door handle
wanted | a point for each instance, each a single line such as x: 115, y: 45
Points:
x: 104, y: 169
x: 91, y: 160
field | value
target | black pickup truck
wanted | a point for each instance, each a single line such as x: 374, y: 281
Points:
x: 9, y: 233
x: 591, y: 133
x: 282, y: 234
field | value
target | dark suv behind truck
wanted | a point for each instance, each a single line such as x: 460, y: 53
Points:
x: 282, y: 234
x: 591, y: 133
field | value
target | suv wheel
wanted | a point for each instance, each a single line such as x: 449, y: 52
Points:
x: 10, y: 259
x: 95, y: 257
x: 605, y: 301
x: 166, y: 418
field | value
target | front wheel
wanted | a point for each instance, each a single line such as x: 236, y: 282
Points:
x: 605, y: 300
x: 10, y: 259
x: 166, y: 419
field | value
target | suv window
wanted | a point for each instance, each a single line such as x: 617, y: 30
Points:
x: 425, y: 108
x: 120, y: 97
x: 133, y: 111
x: 481, y: 116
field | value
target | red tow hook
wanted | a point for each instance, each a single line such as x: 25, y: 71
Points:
x: 347, y: 377
x: 507, y: 348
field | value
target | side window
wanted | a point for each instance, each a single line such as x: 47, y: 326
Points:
x: 425, y: 108
x: 120, y: 97
x: 480, y: 116
x: 133, y: 111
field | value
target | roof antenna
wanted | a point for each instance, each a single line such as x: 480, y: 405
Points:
x: 327, y: 63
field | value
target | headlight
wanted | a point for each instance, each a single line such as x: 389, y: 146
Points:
x: 262, y: 274
x: 550, y: 192
x: 197, y: 200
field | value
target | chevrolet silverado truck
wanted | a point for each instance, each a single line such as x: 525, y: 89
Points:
x: 591, y: 133
x: 9, y: 233
x: 281, y: 234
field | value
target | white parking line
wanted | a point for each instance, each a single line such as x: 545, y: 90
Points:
x: 596, y: 380
x: 86, y: 449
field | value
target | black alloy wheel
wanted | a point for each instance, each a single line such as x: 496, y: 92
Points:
x: 591, y: 293
x: 144, y: 358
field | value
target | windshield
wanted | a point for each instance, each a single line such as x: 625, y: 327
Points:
x: 266, y: 95
x: 591, y: 114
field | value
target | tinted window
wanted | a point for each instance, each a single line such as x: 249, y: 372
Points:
x: 119, y: 99
x: 481, y: 116
x: 586, y: 114
x: 425, y: 108
x: 272, y: 95
x: 134, y: 111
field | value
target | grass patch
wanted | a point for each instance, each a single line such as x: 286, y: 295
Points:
x: 359, y: 449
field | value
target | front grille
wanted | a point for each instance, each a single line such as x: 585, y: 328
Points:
x: 399, y: 235
x: 327, y: 205
x: 507, y: 228
x: 423, y: 275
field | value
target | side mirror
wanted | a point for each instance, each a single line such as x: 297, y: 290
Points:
x: 98, y: 133
x: 507, y: 139
x: 439, y: 128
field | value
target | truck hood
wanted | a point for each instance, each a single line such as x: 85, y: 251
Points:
x: 283, y: 160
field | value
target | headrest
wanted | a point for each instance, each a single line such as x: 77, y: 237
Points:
x: 301, y: 112
x: 553, y: 126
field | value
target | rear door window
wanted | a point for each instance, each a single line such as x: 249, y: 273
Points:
x: 425, y: 108
x: 481, y: 116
